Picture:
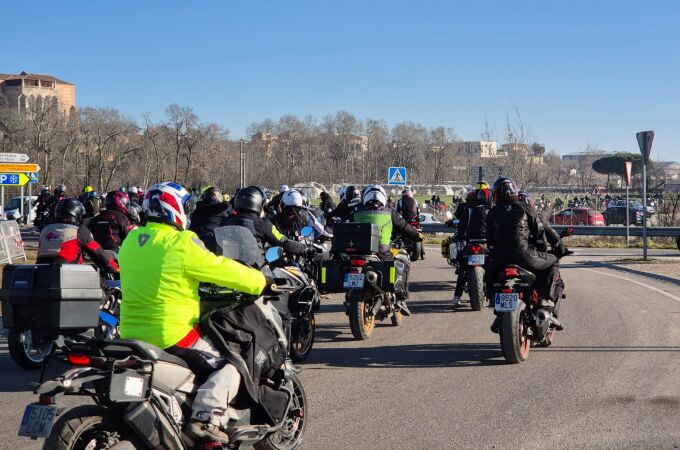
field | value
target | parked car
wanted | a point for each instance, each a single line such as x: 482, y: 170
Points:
x: 578, y: 216
x: 427, y: 218
x: 13, y: 207
x: 616, y: 213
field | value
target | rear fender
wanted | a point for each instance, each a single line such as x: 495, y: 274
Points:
x: 70, y: 382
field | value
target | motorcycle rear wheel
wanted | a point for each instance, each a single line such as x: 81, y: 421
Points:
x: 514, y: 342
x: 290, y: 434
x: 361, y: 319
x: 85, y: 427
x: 25, y: 354
x: 416, y: 251
x: 475, y: 277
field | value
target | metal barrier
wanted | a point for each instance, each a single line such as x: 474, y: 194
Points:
x: 580, y: 230
x: 11, y: 244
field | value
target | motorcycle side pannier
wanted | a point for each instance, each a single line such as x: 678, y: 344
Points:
x: 355, y: 238
x: 50, y: 296
x: 332, y: 276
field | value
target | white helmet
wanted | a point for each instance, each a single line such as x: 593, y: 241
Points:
x: 374, y: 193
x: 293, y: 198
x: 133, y: 190
x: 283, y: 188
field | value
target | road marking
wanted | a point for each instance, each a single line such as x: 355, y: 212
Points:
x: 660, y: 291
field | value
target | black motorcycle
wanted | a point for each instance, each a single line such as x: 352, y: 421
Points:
x: 472, y: 260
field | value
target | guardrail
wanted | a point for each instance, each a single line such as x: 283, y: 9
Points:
x: 580, y: 230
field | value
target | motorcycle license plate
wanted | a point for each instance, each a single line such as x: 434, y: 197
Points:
x: 353, y: 281
x: 506, y: 302
x: 476, y: 260
x: 38, y: 420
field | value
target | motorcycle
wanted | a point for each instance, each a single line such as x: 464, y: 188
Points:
x: 30, y: 345
x: 472, y: 260
x: 143, y: 395
x: 41, y: 220
x: 303, y: 301
x: 415, y: 249
x: 525, y: 318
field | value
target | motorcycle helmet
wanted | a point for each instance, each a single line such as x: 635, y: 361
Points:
x: 483, y: 196
x: 293, y: 198
x: 250, y: 199
x: 482, y: 185
x: 374, y: 194
x: 133, y: 190
x: 527, y: 198
x: 117, y: 200
x: 351, y: 193
x: 70, y: 211
x: 407, y: 193
x: 504, y: 190
x: 211, y: 196
x: 283, y: 188
x: 169, y: 203
x: 88, y: 189
x: 60, y: 190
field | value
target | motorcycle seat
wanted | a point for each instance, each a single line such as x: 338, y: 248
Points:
x: 143, y: 350
x: 525, y: 275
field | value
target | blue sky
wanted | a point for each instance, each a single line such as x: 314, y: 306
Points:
x: 580, y: 72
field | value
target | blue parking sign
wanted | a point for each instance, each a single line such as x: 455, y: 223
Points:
x: 396, y: 176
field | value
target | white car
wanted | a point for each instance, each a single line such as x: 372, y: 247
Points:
x: 12, y: 207
x: 428, y: 218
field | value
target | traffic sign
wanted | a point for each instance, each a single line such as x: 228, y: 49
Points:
x: 13, y: 179
x: 23, y: 168
x: 14, y: 157
x: 628, y: 171
x: 396, y: 176
x: 33, y: 177
x: 645, y: 139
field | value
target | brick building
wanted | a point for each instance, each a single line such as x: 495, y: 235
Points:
x: 23, y: 90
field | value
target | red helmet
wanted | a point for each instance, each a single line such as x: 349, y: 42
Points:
x: 117, y: 200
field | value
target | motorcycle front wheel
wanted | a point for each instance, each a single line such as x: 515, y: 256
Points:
x: 361, y: 318
x: 86, y: 427
x: 290, y: 434
x: 302, y: 338
x: 416, y: 251
x: 514, y: 342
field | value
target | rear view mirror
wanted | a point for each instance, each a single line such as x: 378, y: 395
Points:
x: 307, y: 232
x: 273, y: 254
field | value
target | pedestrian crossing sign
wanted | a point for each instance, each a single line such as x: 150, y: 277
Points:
x: 396, y: 176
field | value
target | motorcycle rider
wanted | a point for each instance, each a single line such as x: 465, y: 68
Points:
x: 211, y: 211
x: 512, y: 229
x: 162, y: 266
x: 294, y: 216
x: 327, y: 203
x: 42, y: 203
x: 472, y: 225
x: 58, y: 195
x: 374, y: 210
x: 546, y: 233
x: 87, y: 197
x: 349, y: 200
x: 274, y: 205
x: 407, y: 206
x: 111, y: 226
x: 249, y: 205
x: 135, y: 208
x: 67, y: 241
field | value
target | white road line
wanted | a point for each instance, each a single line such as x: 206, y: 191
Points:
x: 660, y: 291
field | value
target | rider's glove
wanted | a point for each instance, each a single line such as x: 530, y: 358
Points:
x: 311, y: 251
x: 449, y: 223
x: 421, y: 237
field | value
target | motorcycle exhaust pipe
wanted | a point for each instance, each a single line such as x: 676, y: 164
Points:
x: 543, y: 320
x: 372, y: 279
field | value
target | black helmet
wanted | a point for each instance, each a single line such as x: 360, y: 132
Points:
x: 211, y: 196
x: 60, y: 190
x: 504, y: 190
x: 351, y: 193
x: 70, y: 211
x: 250, y: 199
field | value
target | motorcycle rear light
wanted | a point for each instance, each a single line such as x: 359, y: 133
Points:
x: 357, y: 263
x: 511, y: 272
x: 46, y: 400
x: 534, y: 297
x: 351, y: 250
x: 506, y: 291
x: 78, y: 359
x: 476, y: 249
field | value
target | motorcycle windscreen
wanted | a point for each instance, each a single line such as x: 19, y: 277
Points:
x: 239, y: 243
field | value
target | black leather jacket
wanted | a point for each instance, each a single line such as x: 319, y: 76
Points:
x: 205, y: 219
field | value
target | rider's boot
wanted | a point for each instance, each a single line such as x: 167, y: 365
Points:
x: 456, y: 300
x: 496, y: 325
x: 401, y: 303
x: 205, y: 432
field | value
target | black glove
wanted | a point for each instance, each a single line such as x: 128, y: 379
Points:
x: 449, y: 223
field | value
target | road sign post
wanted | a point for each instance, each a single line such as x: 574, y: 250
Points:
x: 645, y: 139
x: 628, y: 170
x: 396, y: 176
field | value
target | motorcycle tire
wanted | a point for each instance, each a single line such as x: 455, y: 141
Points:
x: 300, y: 348
x: 361, y: 322
x: 514, y: 343
x: 416, y: 251
x: 25, y: 354
x: 83, y: 427
x: 290, y: 434
x: 475, y: 276
x: 397, y: 318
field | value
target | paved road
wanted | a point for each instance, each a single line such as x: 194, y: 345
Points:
x: 440, y: 382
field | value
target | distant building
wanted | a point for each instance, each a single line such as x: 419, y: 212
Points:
x: 534, y: 152
x: 671, y: 170
x: 479, y: 149
x: 23, y: 90
x: 578, y: 156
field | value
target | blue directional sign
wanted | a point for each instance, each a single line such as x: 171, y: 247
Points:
x: 396, y: 176
x: 33, y: 177
x: 13, y: 179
